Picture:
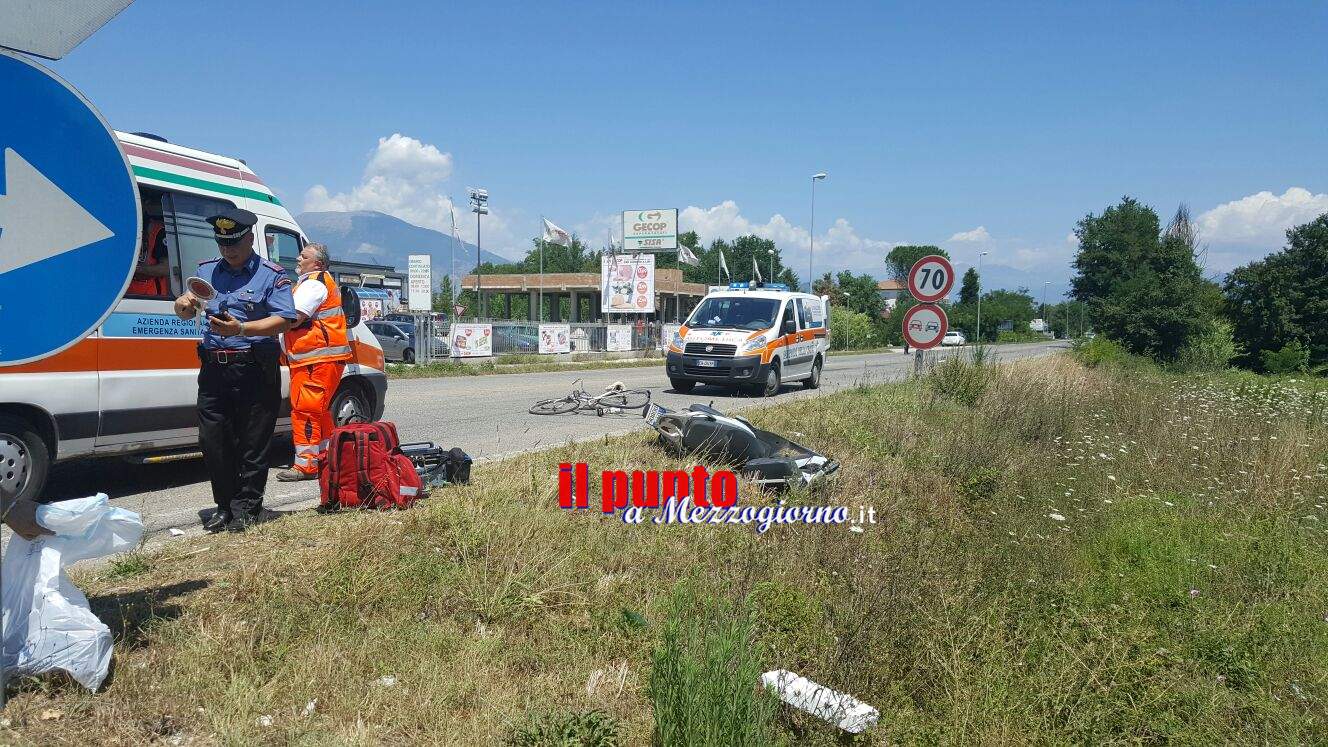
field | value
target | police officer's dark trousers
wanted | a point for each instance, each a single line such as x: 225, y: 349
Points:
x: 237, y: 413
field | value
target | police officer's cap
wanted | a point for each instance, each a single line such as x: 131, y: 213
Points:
x: 232, y: 224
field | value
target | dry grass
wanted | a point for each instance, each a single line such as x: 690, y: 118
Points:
x: 1182, y: 596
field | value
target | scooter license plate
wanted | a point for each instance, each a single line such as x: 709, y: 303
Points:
x: 707, y: 363
x: 653, y: 414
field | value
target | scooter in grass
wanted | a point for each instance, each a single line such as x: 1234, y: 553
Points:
x: 766, y: 458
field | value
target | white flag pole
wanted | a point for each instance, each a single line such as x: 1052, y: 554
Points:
x: 543, y: 231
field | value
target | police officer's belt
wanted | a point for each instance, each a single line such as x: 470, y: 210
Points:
x: 227, y: 356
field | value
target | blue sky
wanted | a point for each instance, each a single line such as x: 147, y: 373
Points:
x: 999, y: 125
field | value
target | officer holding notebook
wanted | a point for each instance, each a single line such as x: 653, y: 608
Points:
x: 239, y: 382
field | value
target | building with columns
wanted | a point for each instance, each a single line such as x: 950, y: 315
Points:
x: 674, y: 298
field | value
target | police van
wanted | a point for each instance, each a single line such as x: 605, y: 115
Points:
x: 752, y: 335
x: 130, y: 388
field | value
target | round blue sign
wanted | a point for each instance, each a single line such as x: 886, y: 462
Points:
x: 69, y: 214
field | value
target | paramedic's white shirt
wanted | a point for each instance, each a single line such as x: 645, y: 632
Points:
x: 309, y: 295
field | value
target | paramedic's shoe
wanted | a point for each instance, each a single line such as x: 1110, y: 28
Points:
x: 217, y: 521
x: 294, y: 475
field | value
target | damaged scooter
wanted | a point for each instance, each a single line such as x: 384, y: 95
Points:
x: 768, y: 459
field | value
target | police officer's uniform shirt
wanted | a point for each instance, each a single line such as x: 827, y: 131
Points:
x: 257, y: 290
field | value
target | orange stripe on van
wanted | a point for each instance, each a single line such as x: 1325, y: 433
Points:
x: 81, y: 357
x: 367, y: 355
x: 144, y: 354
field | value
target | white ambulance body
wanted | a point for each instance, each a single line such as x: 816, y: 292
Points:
x: 759, y: 336
x: 131, y: 386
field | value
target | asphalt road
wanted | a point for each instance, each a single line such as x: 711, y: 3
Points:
x: 484, y: 415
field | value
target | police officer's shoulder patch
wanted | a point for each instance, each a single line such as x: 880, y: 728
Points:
x: 274, y: 266
x: 283, y: 281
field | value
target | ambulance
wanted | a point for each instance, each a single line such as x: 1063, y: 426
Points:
x: 130, y: 388
x: 754, y: 336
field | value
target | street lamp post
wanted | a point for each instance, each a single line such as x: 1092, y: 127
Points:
x: 811, y: 235
x: 1045, y: 325
x: 979, y: 333
x: 479, y: 205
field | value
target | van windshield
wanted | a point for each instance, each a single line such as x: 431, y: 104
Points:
x: 735, y: 312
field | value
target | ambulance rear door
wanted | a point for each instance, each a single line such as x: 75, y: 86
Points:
x: 148, y: 357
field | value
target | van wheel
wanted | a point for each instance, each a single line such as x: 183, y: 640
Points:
x: 771, y: 387
x: 682, y: 386
x: 349, y: 405
x: 408, y: 356
x: 814, y: 381
x: 25, y: 461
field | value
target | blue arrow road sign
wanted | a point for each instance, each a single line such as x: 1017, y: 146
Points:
x: 69, y: 214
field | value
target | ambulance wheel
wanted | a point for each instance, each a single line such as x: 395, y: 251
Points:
x: 408, y: 356
x: 814, y: 381
x: 771, y: 387
x: 682, y: 386
x: 349, y: 405
x: 24, y: 459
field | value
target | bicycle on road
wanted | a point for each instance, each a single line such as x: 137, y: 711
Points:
x: 614, y: 400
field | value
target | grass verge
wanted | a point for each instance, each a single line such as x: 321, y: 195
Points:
x: 1064, y: 554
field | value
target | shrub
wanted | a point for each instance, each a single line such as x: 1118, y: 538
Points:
x: 1101, y: 352
x: 958, y: 380
x: 850, y: 329
x: 1209, y: 351
x: 586, y: 729
x: 1292, y: 358
x: 705, y: 676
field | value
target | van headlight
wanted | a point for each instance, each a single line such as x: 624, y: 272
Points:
x: 753, y: 345
x: 676, y: 343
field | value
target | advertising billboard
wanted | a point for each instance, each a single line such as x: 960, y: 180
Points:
x: 627, y: 284
x: 650, y: 230
x: 421, y: 283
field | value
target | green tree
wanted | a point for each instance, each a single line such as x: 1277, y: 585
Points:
x: 859, y: 293
x: 442, y: 300
x: 968, y: 290
x: 1144, y: 284
x: 1283, y: 298
x: 902, y: 258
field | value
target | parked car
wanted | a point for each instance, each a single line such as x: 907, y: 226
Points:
x: 398, y: 345
x: 439, y: 346
x: 515, y: 340
x: 399, y: 317
x: 953, y: 338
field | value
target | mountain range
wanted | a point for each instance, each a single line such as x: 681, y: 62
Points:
x: 381, y: 239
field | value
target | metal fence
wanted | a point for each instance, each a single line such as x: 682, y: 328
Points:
x: 433, y: 336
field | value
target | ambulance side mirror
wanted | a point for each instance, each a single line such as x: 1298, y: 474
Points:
x: 789, y: 327
x: 350, y: 304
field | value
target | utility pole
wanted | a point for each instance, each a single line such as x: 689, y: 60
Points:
x: 811, y: 235
x: 479, y: 205
x: 979, y: 333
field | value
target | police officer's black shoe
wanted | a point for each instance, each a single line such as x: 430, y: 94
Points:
x: 217, y: 521
x: 241, y: 522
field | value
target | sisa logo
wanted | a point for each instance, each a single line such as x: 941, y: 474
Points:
x: 648, y: 489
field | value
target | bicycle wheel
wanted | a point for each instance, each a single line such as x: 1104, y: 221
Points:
x: 628, y: 399
x: 559, y: 406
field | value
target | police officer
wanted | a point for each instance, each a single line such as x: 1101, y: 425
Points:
x: 239, y: 384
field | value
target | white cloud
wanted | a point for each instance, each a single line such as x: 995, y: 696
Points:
x: 1072, y: 240
x: 978, y: 234
x: 838, y: 248
x: 1261, y: 219
x: 406, y: 178
x: 402, y: 178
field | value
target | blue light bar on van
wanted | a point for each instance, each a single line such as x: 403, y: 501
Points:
x: 758, y: 286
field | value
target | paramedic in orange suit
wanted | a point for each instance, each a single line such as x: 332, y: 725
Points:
x: 317, y: 348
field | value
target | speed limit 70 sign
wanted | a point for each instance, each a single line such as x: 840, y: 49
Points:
x: 931, y: 279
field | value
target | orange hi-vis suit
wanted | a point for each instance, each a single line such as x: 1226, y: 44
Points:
x: 317, y: 351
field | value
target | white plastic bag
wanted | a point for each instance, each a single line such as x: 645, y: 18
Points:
x: 47, y: 622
